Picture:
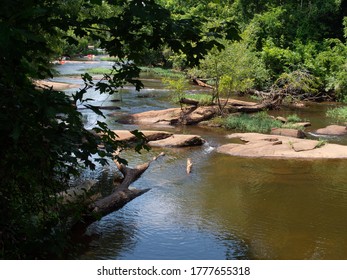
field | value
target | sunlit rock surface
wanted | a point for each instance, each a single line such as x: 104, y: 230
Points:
x: 277, y: 146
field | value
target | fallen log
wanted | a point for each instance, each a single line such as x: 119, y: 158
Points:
x: 101, y: 108
x: 201, y: 83
x: 120, y: 196
x: 189, y: 165
x: 252, y: 109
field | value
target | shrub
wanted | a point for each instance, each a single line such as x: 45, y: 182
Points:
x: 294, y: 118
x: 339, y: 114
x: 204, y: 99
x: 260, y: 122
x: 99, y: 71
x: 177, y: 87
x: 161, y: 72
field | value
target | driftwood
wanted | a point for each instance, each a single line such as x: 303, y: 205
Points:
x: 101, y: 108
x: 120, y: 196
x: 253, y: 109
x: 201, y: 83
x: 189, y: 165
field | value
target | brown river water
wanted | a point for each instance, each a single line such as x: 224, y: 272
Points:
x: 228, y: 207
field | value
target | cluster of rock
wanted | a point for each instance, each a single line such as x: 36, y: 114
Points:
x: 281, y: 143
x: 287, y: 143
x: 277, y: 146
x: 162, y: 138
x: 332, y: 130
x: 189, y: 115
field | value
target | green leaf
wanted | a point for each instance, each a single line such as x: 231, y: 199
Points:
x: 95, y: 109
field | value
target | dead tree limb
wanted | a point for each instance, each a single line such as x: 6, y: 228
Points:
x: 189, y: 165
x: 120, y: 196
x: 132, y: 174
x: 252, y: 109
x: 201, y: 83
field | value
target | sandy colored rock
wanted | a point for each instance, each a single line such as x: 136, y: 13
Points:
x: 290, y: 132
x: 281, y: 119
x: 304, y: 146
x: 262, y: 146
x: 189, y: 115
x: 162, y: 138
x: 303, y: 124
x: 156, y: 135
x: 125, y: 135
x: 167, y: 116
x: 55, y: 85
x: 332, y: 130
x: 178, y: 140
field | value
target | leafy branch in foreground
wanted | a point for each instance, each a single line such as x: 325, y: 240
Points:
x: 42, y: 132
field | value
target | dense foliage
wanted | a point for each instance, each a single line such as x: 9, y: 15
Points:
x: 281, y: 38
x: 304, y: 36
x: 43, y: 140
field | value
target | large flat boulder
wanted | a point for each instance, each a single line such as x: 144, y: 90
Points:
x: 334, y: 130
x: 191, y: 114
x: 178, y: 140
x: 277, y: 146
x: 151, y: 135
x: 165, y: 117
x: 59, y: 86
x: 157, y: 138
x: 172, y: 116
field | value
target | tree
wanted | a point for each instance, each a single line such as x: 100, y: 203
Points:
x: 301, y: 36
x: 44, y: 138
x: 235, y: 69
x: 215, y: 17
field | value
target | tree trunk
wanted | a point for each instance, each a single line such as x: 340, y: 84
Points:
x: 252, y: 109
x: 117, y: 199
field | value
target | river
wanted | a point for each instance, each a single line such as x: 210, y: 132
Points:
x: 228, y: 207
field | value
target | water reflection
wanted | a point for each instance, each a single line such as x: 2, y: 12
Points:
x: 166, y: 223
x: 284, y: 209
x: 111, y: 238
